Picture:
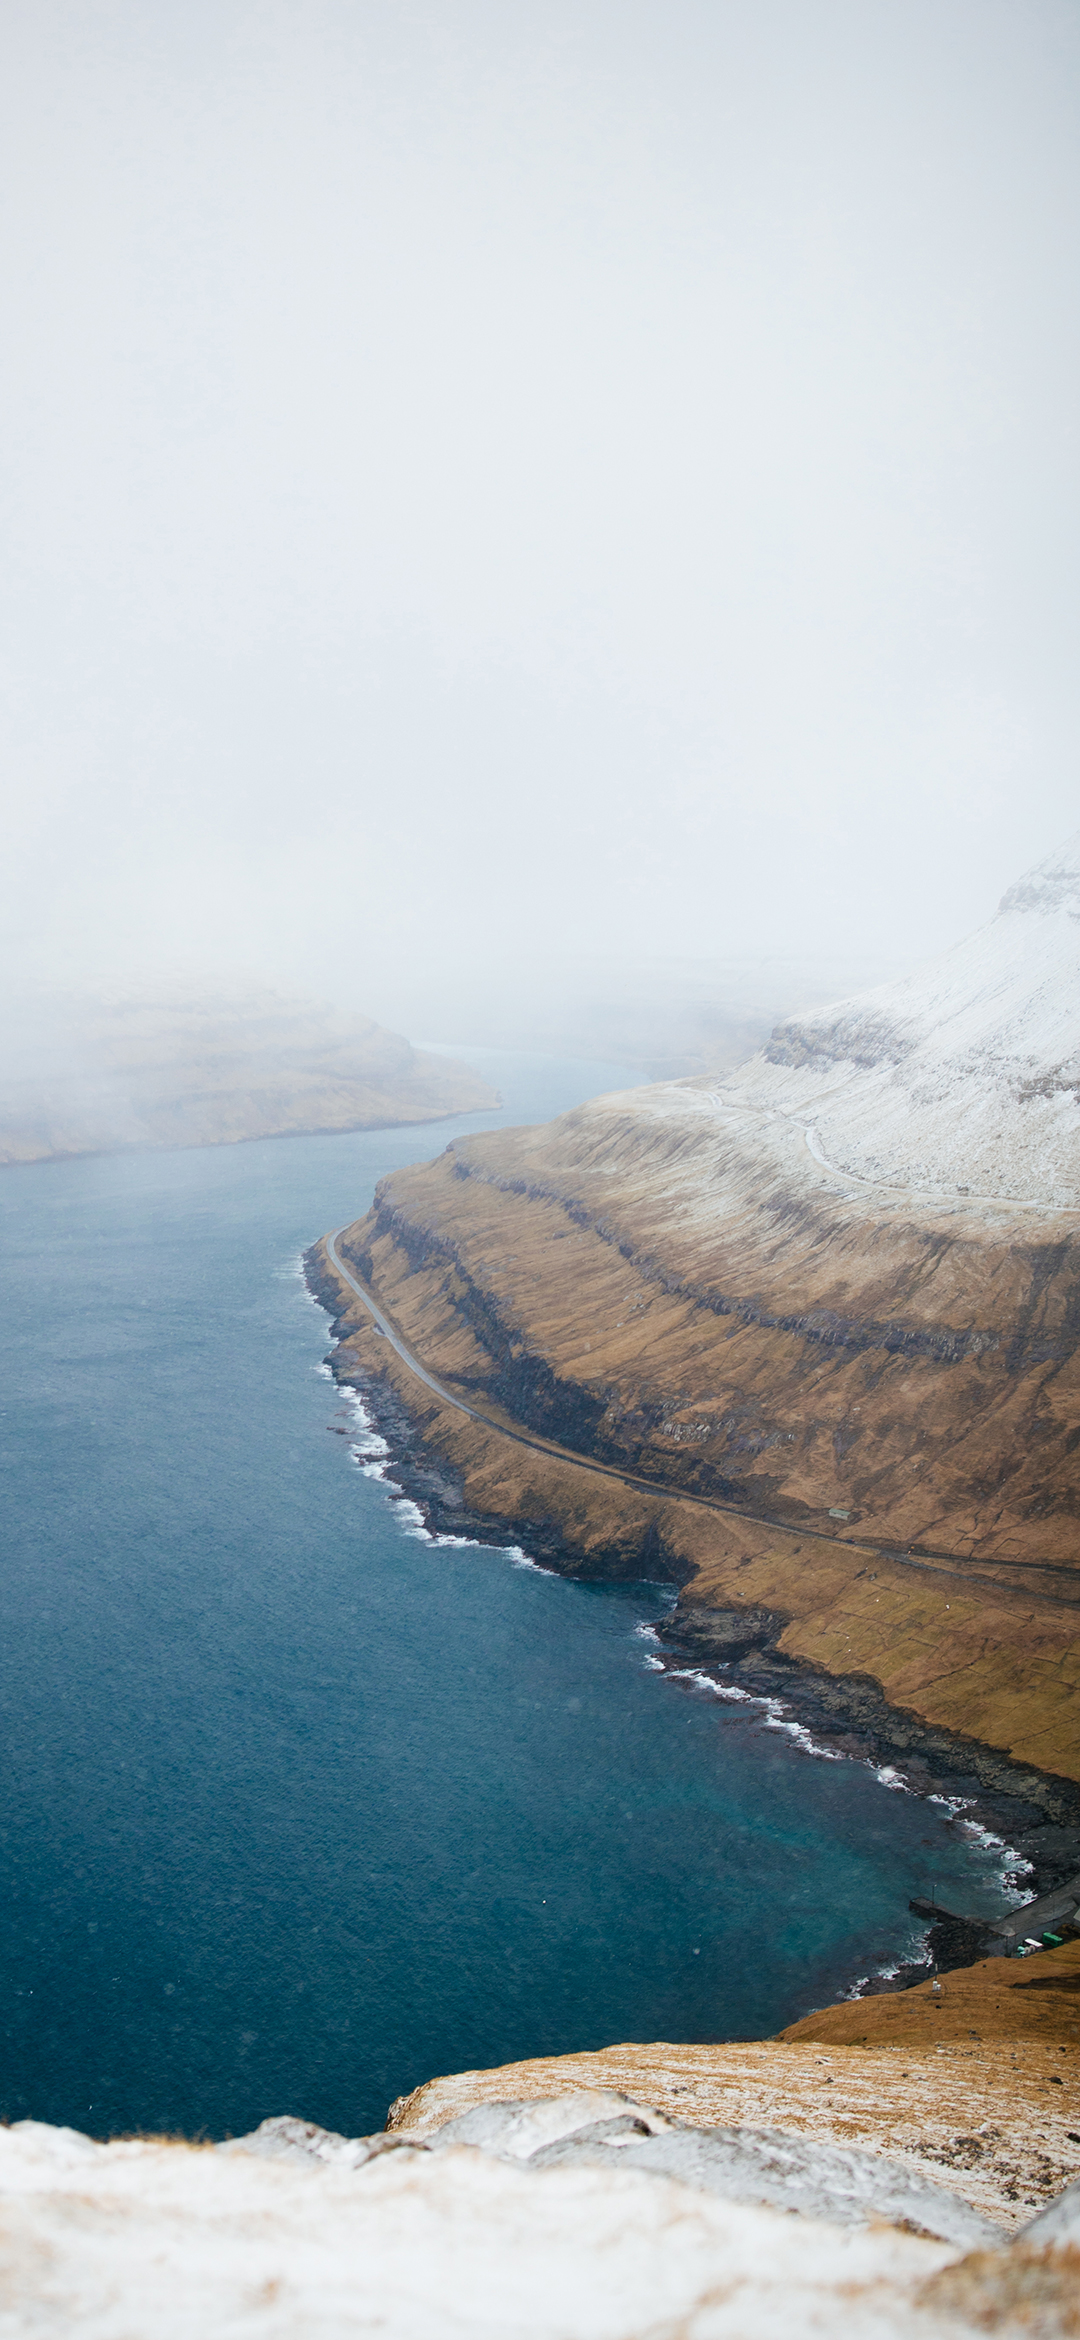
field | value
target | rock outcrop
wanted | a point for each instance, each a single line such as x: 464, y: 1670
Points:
x: 580, y: 2215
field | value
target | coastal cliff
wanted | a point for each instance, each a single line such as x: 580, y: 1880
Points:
x: 831, y: 1393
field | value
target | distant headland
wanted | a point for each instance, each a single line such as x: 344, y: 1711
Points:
x: 105, y: 1073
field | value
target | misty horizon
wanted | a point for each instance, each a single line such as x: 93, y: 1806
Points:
x: 492, y: 489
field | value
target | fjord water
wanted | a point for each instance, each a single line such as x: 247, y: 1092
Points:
x: 299, y: 1808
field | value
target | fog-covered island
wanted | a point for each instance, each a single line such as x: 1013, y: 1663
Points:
x: 169, y: 1065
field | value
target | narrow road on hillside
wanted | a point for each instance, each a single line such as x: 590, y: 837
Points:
x: 949, y: 1566
x: 857, y: 1184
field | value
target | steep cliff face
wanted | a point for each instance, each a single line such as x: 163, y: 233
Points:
x: 678, y: 1282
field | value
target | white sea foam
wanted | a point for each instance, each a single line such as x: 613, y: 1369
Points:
x: 919, y: 1956
x: 691, y: 1674
x: 778, y: 1719
x: 774, y: 1715
x: 728, y: 1691
x: 419, y: 1529
x: 378, y: 1470
x: 367, y: 1445
x: 413, y: 1524
x: 372, y: 1455
x: 1012, y: 1865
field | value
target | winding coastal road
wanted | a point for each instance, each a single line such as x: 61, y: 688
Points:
x: 949, y: 1566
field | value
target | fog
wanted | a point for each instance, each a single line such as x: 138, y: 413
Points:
x: 497, y: 488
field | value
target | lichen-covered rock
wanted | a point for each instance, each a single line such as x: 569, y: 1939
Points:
x: 844, y: 2186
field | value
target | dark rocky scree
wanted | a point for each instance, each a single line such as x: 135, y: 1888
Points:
x: 520, y: 1381
x: 857, y: 1039
x: 1037, y: 1814
x: 437, y: 1489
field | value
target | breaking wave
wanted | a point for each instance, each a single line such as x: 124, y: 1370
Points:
x: 371, y: 1453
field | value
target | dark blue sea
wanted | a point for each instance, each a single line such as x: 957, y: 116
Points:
x: 300, y: 1808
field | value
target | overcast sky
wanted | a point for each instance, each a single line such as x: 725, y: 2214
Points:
x: 507, y: 476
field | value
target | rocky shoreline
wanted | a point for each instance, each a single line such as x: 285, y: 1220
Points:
x: 1035, y: 1814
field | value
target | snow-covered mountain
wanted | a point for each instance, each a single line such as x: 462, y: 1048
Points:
x: 961, y: 1078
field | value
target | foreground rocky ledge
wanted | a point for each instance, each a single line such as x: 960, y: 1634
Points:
x: 141, y: 2238
x: 781, y: 2189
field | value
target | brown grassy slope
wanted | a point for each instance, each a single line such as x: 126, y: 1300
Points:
x: 1033, y: 1999
x: 716, y: 1312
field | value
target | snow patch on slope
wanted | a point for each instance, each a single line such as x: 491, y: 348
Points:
x: 961, y: 1078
